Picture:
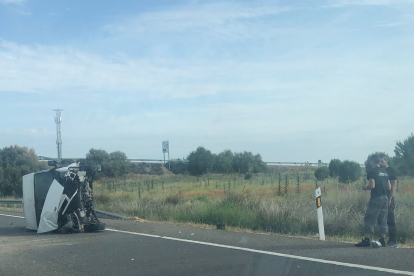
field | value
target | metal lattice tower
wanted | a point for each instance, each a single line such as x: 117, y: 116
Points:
x: 58, y: 121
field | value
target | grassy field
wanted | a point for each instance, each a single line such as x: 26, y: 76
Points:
x: 280, y: 201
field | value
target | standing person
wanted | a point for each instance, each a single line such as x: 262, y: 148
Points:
x: 377, y: 209
x: 392, y: 174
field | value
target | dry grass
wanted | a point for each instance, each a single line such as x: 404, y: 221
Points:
x: 10, y: 207
x: 252, y: 205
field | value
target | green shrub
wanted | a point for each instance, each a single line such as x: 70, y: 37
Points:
x: 15, y: 162
x: 114, y: 164
x: 200, y: 161
x: 172, y: 199
x: 248, y: 176
x: 202, y: 198
x: 223, y: 162
x: 156, y: 169
x: 349, y: 171
x: 177, y: 166
x: 101, y: 198
x: 138, y: 168
x: 322, y: 173
x: 246, y: 162
x: 334, y: 167
x: 404, y: 156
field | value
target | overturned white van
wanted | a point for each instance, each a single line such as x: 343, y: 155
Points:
x: 61, y: 199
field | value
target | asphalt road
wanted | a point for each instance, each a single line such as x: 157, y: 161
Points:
x: 140, y: 248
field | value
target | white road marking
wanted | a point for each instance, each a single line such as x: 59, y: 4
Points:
x: 373, y: 268
x: 11, y: 216
x: 133, y: 233
x: 297, y: 257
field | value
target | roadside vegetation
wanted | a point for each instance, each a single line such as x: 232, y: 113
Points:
x: 235, y: 189
x: 272, y: 199
x: 15, y: 162
x: 270, y: 202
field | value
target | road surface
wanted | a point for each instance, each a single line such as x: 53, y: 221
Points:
x: 141, y: 248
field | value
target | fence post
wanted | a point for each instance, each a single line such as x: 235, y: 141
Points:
x: 321, y: 227
x: 280, y: 183
x: 139, y: 189
x: 297, y: 183
x: 286, y: 184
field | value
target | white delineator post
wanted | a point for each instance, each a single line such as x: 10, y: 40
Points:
x: 320, y: 214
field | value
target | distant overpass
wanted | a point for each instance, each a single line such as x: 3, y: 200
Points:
x: 268, y: 163
x: 43, y: 158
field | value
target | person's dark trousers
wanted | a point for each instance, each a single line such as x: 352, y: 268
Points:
x: 377, y: 212
x: 392, y: 229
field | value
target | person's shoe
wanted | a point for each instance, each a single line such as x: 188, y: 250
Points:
x: 392, y: 244
x: 365, y: 243
x: 383, y: 243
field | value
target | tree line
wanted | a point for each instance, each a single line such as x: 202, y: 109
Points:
x: 198, y: 162
x: 349, y: 171
x: 116, y: 164
x: 346, y: 171
x: 203, y: 161
x: 17, y: 161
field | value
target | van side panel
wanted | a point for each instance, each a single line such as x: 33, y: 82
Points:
x: 29, y: 201
x: 50, y: 212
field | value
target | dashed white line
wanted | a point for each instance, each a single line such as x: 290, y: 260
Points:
x: 372, y: 268
x: 133, y: 233
x: 11, y: 216
x: 296, y: 257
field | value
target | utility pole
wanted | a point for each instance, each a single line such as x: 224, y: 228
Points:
x: 58, y: 121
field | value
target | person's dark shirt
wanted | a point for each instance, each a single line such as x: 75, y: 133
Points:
x: 392, y: 175
x: 380, y: 176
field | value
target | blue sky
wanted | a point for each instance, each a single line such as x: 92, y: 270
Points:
x: 291, y: 80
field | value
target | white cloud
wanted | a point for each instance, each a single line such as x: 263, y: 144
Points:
x: 389, y: 25
x: 319, y: 89
x: 44, y: 69
x: 25, y: 13
x: 15, y: 2
x: 51, y: 69
x: 219, y: 19
x: 343, y: 3
x: 25, y: 132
